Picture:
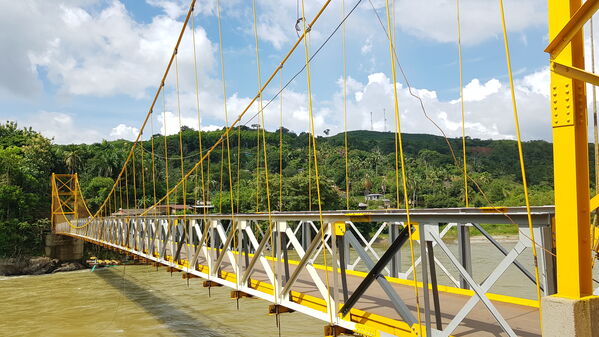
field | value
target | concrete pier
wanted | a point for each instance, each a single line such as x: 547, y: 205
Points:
x: 64, y: 248
x: 570, y: 317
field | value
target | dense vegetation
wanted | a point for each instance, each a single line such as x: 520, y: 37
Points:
x: 27, y: 160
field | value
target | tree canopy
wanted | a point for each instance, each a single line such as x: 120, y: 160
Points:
x: 434, y: 176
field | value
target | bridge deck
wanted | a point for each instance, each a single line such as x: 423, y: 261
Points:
x: 523, y: 319
x: 152, y: 238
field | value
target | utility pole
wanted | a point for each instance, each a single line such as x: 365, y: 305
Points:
x: 371, y: 125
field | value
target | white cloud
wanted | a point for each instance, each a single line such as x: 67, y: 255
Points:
x: 174, y: 9
x: 537, y: 82
x: 88, y: 52
x: 433, y: 19
x: 60, y: 126
x: 480, y: 19
x: 475, y: 91
x: 211, y: 127
x: 123, y: 131
x: 103, y: 51
x: 488, y: 108
x: 169, y: 122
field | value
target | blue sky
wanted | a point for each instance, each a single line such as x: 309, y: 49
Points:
x: 86, y: 70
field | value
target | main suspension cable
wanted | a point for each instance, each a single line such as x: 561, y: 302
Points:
x: 252, y: 101
x: 148, y: 115
x: 303, y: 67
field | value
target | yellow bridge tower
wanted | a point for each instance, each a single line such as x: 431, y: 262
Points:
x: 573, y: 311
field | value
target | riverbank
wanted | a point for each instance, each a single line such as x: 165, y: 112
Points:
x: 451, y: 236
x: 37, y: 265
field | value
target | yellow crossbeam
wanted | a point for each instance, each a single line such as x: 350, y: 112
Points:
x: 575, y: 73
x: 594, y: 203
x: 577, y: 21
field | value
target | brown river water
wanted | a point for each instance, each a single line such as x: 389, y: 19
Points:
x: 134, y: 301
x: 143, y: 301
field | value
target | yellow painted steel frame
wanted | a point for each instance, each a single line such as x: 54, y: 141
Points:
x: 570, y: 150
x: 64, y: 197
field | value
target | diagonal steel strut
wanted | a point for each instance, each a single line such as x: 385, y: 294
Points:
x: 375, y: 274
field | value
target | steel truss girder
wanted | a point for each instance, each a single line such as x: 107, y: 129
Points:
x: 157, y: 239
x: 120, y: 226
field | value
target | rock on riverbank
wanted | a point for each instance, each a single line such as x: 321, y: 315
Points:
x: 36, y: 266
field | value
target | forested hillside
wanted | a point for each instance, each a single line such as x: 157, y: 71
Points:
x: 27, y: 160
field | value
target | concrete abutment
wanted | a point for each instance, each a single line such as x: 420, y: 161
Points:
x: 570, y: 317
x: 64, y: 248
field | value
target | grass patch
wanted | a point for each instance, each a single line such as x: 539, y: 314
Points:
x: 493, y: 229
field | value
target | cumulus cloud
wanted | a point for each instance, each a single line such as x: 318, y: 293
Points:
x: 123, y: 131
x: 92, y: 47
x: 488, y: 112
x: 84, y: 52
x: 173, y: 9
x: 436, y: 20
x: 475, y: 91
x: 60, y: 126
x: 488, y: 108
x: 86, y: 49
x: 168, y: 123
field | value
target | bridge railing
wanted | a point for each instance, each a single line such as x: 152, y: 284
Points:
x: 289, y: 259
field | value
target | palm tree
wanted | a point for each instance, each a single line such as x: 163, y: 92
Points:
x: 72, y: 160
x: 107, y: 160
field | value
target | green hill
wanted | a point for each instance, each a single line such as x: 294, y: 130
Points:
x: 434, y: 177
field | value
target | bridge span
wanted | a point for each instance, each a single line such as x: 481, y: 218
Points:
x: 320, y: 263
x: 333, y: 273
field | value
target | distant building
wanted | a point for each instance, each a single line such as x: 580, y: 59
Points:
x: 373, y: 197
x: 172, y: 209
x: 200, y: 206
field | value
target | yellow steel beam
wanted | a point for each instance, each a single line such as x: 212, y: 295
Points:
x: 64, y: 184
x: 594, y: 203
x: 570, y: 151
x: 572, y: 27
x: 575, y: 73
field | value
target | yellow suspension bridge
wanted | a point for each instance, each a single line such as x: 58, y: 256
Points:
x: 319, y: 263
